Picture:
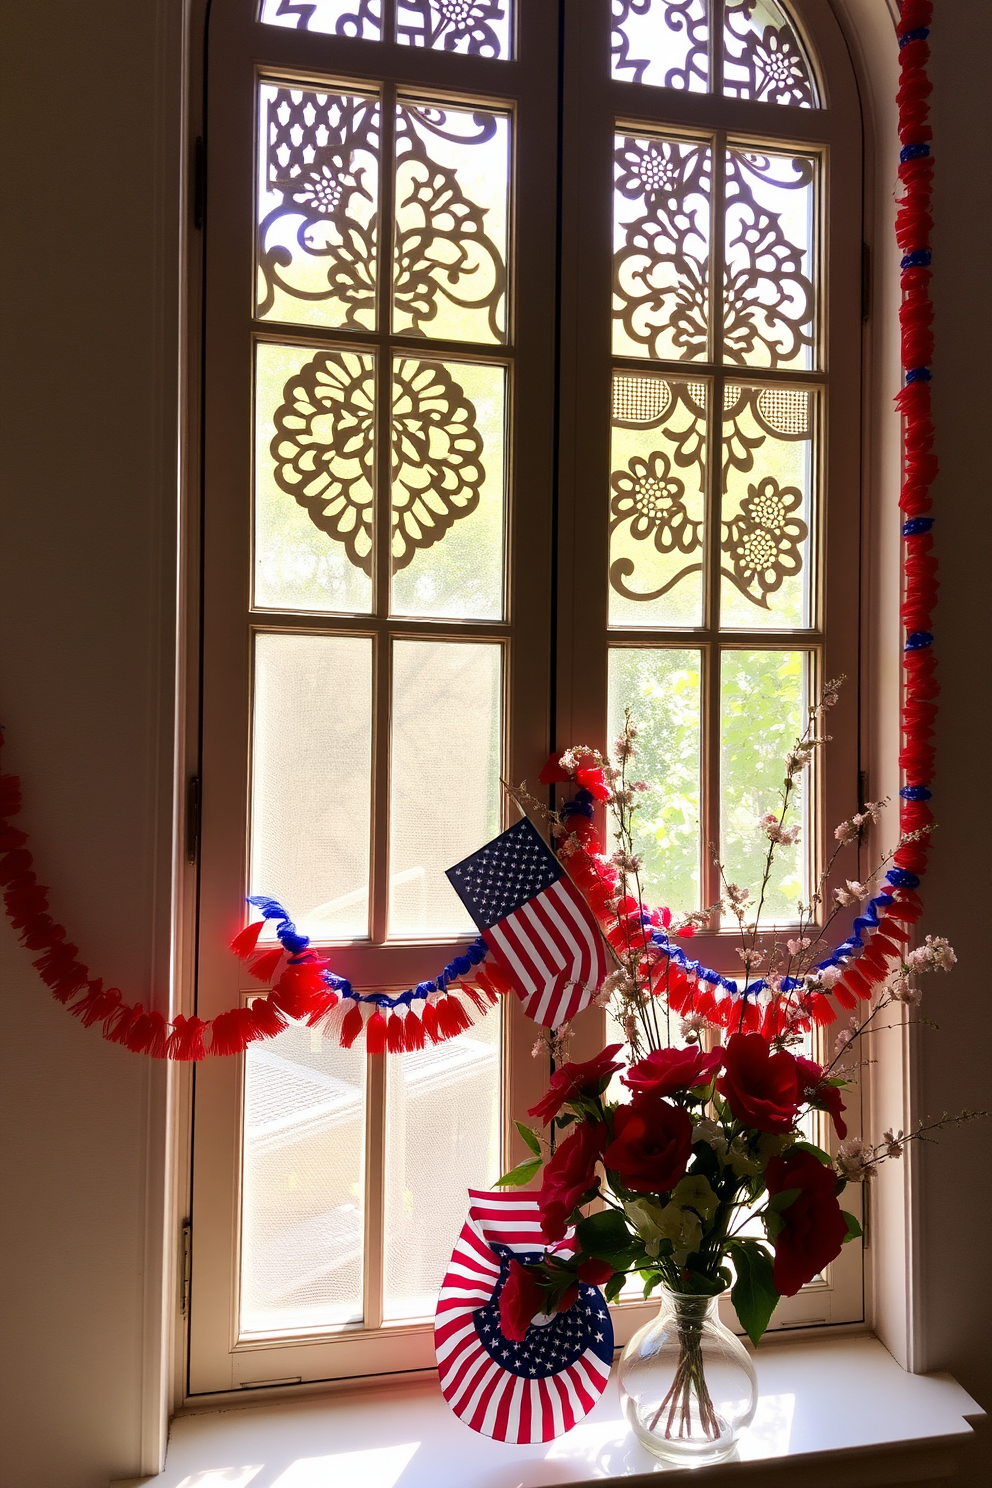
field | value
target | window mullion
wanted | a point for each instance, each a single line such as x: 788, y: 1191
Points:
x: 375, y: 1189
x: 379, y: 887
x: 716, y: 47
x: 710, y: 700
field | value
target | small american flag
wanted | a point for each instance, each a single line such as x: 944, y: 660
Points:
x: 530, y: 1391
x: 535, y: 922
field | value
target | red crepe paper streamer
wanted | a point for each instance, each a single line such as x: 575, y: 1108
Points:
x: 300, y: 993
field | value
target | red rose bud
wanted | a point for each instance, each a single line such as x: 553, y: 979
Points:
x: 761, y: 1088
x: 813, y: 1227
x: 824, y: 1097
x: 652, y: 1144
x: 569, y: 1177
x: 519, y: 1301
x: 664, y: 1071
x: 590, y: 1078
x: 595, y: 1273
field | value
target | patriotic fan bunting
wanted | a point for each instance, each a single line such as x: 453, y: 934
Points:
x: 530, y: 1391
x: 535, y: 922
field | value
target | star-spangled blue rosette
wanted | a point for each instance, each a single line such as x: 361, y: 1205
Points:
x: 527, y: 1391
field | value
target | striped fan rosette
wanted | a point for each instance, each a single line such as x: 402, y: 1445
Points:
x: 526, y: 1391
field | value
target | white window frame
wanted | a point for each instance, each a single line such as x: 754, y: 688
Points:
x: 236, y: 51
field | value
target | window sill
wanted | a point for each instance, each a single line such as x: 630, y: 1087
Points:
x: 830, y: 1410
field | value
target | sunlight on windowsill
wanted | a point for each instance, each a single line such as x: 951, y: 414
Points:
x: 817, y: 1397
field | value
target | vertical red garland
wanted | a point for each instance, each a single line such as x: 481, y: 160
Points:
x: 914, y: 223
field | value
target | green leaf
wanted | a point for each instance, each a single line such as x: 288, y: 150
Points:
x: 754, y: 1295
x: 529, y: 1138
x: 854, y: 1230
x: 522, y: 1173
x: 818, y: 1152
x: 614, y: 1286
x: 783, y: 1200
x: 604, y: 1236
x: 652, y: 1279
x: 562, y: 1121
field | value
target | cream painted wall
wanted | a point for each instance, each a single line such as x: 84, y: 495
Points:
x: 87, y: 644
x: 87, y: 647
x: 956, y: 1063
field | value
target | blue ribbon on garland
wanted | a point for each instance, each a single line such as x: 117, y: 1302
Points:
x: 296, y: 943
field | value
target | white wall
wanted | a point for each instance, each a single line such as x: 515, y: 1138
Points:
x: 87, y: 640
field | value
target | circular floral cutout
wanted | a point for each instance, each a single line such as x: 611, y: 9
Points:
x: 652, y: 500
x: 764, y: 541
x: 324, y: 452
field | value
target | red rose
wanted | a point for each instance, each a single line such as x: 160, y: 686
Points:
x: 652, y: 1144
x: 570, y: 1176
x: 813, y: 1227
x: 590, y: 1078
x: 761, y: 1088
x: 664, y: 1071
x: 519, y: 1301
x: 595, y: 1273
x: 812, y: 1088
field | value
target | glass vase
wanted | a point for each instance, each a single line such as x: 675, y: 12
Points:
x: 687, y: 1384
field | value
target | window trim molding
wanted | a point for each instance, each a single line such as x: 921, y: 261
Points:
x: 892, y: 1301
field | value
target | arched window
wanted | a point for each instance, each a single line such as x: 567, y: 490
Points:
x: 532, y: 391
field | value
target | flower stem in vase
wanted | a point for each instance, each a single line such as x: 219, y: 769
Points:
x: 689, y: 1381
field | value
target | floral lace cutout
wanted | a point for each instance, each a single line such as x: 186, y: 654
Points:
x: 763, y: 541
x: 472, y: 26
x: 763, y: 60
x: 324, y: 452
x: 660, y: 269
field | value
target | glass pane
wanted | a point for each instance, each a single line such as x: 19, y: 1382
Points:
x: 312, y: 780
x: 770, y: 298
x: 657, y: 506
x: 661, y: 688
x: 664, y: 42
x: 447, y: 489
x: 661, y: 236
x: 314, y: 474
x: 763, y: 711
x: 452, y: 189
x: 303, y: 1191
x: 318, y: 188
x: 361, y: 18
x: 442, y: 1120
x: 762, y: 56
x: 444, y: 786
x: 479, y: 27
x: 768, y: 482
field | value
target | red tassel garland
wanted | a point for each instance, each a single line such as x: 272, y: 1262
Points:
x: 266, y: 1018
x: 351, y: 1026
x: 395, y: 1036
x: 264, y: 967
x: 232, y: 1032
x: 185, y: 1042
x: 375, y: 1033
x: 452, y: 1019
x: 97, y: 1005
x: 244, y: 943
x: 429, y: 1020
x: 413, y: 1032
